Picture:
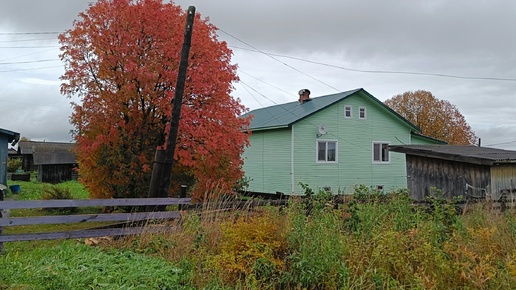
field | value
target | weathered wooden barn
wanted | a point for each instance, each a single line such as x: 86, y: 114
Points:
x: 468, y: 171
x: 54, y: 161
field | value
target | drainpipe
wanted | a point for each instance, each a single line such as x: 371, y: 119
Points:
x: 292, y: 159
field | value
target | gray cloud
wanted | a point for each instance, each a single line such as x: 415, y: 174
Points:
x: 461, y: 38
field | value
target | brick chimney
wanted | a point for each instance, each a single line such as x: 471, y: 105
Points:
x: 304, y: 96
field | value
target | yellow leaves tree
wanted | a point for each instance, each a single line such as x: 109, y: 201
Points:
x: 436, y: 118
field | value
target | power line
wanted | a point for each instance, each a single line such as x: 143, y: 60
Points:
x: 26, y: 69
x: 504, y: 143
x: 34, y: 46
x: 23, y: 55
x: 291, y: 67
x: 384, y: 71
x: 279, y: 89
x: 30, y: 33
x: 25, y: 62
x: 22, y: 40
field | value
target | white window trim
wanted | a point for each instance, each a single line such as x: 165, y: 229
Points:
x: 388, y: 152
x: 365, y: 113
x: 350, y: 112
x: 317, y: 151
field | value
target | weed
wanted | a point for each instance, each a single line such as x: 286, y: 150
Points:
x: 444, y: 215
x: 250, y: 249
x: 316, y: 248
x: 52, y: 193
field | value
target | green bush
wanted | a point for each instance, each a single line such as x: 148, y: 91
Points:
x: 315, y: 240
x: 54, y: 192
x: 13, y: 164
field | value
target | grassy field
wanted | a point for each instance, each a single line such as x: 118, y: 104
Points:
x: 374, y: 241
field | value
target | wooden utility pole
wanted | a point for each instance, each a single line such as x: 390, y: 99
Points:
x: 162, y: 168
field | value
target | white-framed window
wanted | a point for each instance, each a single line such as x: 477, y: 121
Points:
x: 348, y: 112
x: 362, y: 113
x: 326, y: 151
x: 381, y: 152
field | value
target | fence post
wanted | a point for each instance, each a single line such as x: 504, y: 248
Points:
x: 182, y: 194
x: 2, y: 193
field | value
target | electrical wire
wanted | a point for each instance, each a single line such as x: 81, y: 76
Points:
x: 30, y: 33
x: 25, y: 62
x: 504, y: 143
x: 27, y: 69
x: 384, y: 71
x: 289, y: 66
x: 23, y: 40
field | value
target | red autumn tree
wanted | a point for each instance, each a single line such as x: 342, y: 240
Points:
x: 436, y: 118
x: 121, y: 60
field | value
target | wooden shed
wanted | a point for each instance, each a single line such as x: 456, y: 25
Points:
x: 54, y: 161
x: 468, y: 171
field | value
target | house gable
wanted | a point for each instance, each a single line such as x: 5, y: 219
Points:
x: 354, y: 138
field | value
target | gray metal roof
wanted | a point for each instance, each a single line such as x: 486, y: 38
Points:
x: 284, y: 115
x: 30, y: 147
x: 461, y: 153
x: 48, y: 152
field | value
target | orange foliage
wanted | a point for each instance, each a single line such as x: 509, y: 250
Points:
x: 121, y: 61
x: 436, y: 118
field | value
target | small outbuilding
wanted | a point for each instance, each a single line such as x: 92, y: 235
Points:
x: 6, y: 137
x: 54, y: 161
x: 468, y: 171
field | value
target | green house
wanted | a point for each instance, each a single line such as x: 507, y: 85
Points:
x: 331, y: 143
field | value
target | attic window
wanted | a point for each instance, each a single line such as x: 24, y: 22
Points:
x: 348, y: 112
x: 362, y: 113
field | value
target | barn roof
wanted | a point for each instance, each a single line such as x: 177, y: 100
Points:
x: 48, y: 152
x: 30, y: 147
x: 461, y: 153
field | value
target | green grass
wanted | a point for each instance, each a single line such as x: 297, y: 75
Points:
x: 70, y: 265
x: 32, y: 190
x: 373, y: 241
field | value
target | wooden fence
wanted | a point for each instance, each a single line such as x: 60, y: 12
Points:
x: 7, y: 221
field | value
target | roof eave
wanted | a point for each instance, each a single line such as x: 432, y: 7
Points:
x: 269, y: 128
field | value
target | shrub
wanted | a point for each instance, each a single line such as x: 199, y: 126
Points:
x: 13, y: 164
x: 251, y: 250
x: 54, y: 192
x: 316, y: 245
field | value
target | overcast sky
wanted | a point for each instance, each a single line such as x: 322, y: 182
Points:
x: 462, y: 51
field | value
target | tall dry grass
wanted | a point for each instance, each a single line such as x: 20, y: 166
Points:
x: 373, y: 241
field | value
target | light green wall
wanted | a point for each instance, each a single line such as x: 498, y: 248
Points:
x: 354, y: 137
x: 268, y: 159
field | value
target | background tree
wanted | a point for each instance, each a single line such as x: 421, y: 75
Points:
x: 436, y: 118
x: 121, y: 60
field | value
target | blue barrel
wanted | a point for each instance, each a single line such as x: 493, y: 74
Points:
x: 15, y: 188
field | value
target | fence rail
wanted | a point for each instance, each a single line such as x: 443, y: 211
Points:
x: 7, y: 221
